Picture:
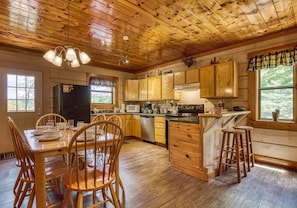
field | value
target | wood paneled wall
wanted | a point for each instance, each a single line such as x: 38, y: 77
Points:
x: 279, y: 146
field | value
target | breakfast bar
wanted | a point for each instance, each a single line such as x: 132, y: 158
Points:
x: 194, y: 147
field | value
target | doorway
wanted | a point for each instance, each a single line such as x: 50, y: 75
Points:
x: 24, y: 118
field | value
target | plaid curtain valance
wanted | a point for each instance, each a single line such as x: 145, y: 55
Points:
x: 272, y: 60
x: 102, y: 81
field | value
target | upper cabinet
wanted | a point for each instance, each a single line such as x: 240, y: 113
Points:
x: 167, y: 87
x: 192, y: 76
x: 186, y: 77
x: 219, y: 80
x: 179, y: 78
x: 131, y: 90
x: 142, y: 90
x: 154, y: 88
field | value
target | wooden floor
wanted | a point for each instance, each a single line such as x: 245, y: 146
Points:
x: 150, y: 182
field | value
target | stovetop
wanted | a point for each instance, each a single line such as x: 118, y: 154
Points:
x: 193, y: 109
x: 187, y: 111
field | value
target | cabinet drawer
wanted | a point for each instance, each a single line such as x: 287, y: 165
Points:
x: 184, y: 157
x: 160, y: 139
x: 159, y: 125
x: 159, y: 119
x: 184, y: 127
x: 160, y: 131
x: 177, y: 136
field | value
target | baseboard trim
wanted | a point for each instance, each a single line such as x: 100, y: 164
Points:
x: 276, y: 161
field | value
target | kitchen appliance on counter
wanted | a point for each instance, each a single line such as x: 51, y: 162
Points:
x: 133, y: 108
x: 72, y: 102
x: 183, y: 111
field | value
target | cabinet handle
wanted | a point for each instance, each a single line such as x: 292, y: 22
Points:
x: 189, y: 135
x: 187, y: 156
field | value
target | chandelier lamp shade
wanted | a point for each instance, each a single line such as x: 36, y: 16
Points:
x: 68, y: 54
x: 72, y: 56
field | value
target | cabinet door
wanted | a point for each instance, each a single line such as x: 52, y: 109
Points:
x: 207, y: 81
x: 131, y: 90
x: 136, y: 128
x: 179, y: 78
x: 192, y: 76
x: 128, y: 125
x: 226, y: 79
x: 154, y: 88
x: 167, y: 87
x: 142, y: 89
x: 160, y: 131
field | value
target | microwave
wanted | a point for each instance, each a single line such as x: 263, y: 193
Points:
x: 132, y: 108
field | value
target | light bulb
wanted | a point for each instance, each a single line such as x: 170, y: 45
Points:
x: 57, y: 61
x: 50, y: 55
x: 75, y: 63
x: 84, y: 58
x: 70, y: 54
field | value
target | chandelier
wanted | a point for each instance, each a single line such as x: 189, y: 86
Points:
x: 72, y: 56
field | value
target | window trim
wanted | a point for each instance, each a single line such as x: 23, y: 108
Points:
x: 252, y: 106
x: 116, y: 90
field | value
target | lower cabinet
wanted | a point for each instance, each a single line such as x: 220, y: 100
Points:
x: 136, y: 128
x: 160, y: 131
x: 186, y: 149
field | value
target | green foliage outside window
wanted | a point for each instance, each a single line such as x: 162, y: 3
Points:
x: 276, y: 91
x: 101, y: 94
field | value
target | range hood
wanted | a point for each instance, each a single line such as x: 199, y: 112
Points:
x: 187, y: 87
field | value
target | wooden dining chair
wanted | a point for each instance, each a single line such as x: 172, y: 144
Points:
x: 99, y: 117
x: 57, y: 118
x: 103, y: 135
x: 26, y: 184
x: 117, y: 120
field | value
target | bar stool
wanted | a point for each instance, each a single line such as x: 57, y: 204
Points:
x: 250, y: 158
x: 232, y: 152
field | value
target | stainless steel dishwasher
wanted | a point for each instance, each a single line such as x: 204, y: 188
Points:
x: 147, y: 128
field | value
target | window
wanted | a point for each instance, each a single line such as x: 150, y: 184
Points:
x: 276, y: 90
x: 103, y: 92
x: 272, y: 81
x: 20, y: 93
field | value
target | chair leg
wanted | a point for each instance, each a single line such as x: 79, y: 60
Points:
x: 17, y: 181
x: 114, y: 197
x: 80, y: 200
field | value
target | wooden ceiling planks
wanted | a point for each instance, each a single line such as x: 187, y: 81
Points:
x: 159, y: 31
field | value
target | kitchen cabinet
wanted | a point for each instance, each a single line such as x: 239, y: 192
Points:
x: 219, y: 80
x: 136, y: 128
x: 179, y: 78
x: 192, y: 76
x: 128, y: 124
x: 160, y: 131
x: 167, y: 87
x: 142, y: 90
x: 131, y: 90
x: 154, y: 88
x: 186, y: 149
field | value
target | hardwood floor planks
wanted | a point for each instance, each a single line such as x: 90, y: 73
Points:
x: 150, y: 182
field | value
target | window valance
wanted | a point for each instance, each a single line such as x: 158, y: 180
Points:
x: 103, y: 81
x: 272, y: 60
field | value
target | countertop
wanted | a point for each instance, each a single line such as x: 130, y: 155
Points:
x: 224, y: 114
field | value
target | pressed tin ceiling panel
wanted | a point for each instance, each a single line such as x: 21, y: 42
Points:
x: 159, y: 31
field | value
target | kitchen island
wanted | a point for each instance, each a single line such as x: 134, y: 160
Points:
x: 194, y: 147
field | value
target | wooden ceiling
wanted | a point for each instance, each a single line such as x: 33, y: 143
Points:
x: 159, y: 31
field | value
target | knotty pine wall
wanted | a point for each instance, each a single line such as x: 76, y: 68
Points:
x: 52, y: 75
x: 273, y: 146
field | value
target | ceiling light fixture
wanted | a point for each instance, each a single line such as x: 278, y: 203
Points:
x: 68, y: 53
x: 124, y: 58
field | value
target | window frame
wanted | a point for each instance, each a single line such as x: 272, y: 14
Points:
x: 115, y: 92
x: 253, y: 94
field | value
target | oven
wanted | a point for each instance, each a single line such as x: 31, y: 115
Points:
x: 183, y: 111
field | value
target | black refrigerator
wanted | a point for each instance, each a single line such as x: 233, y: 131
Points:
x: 72, y: 102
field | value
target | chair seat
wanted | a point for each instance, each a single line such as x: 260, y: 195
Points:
x: 88, y: 183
